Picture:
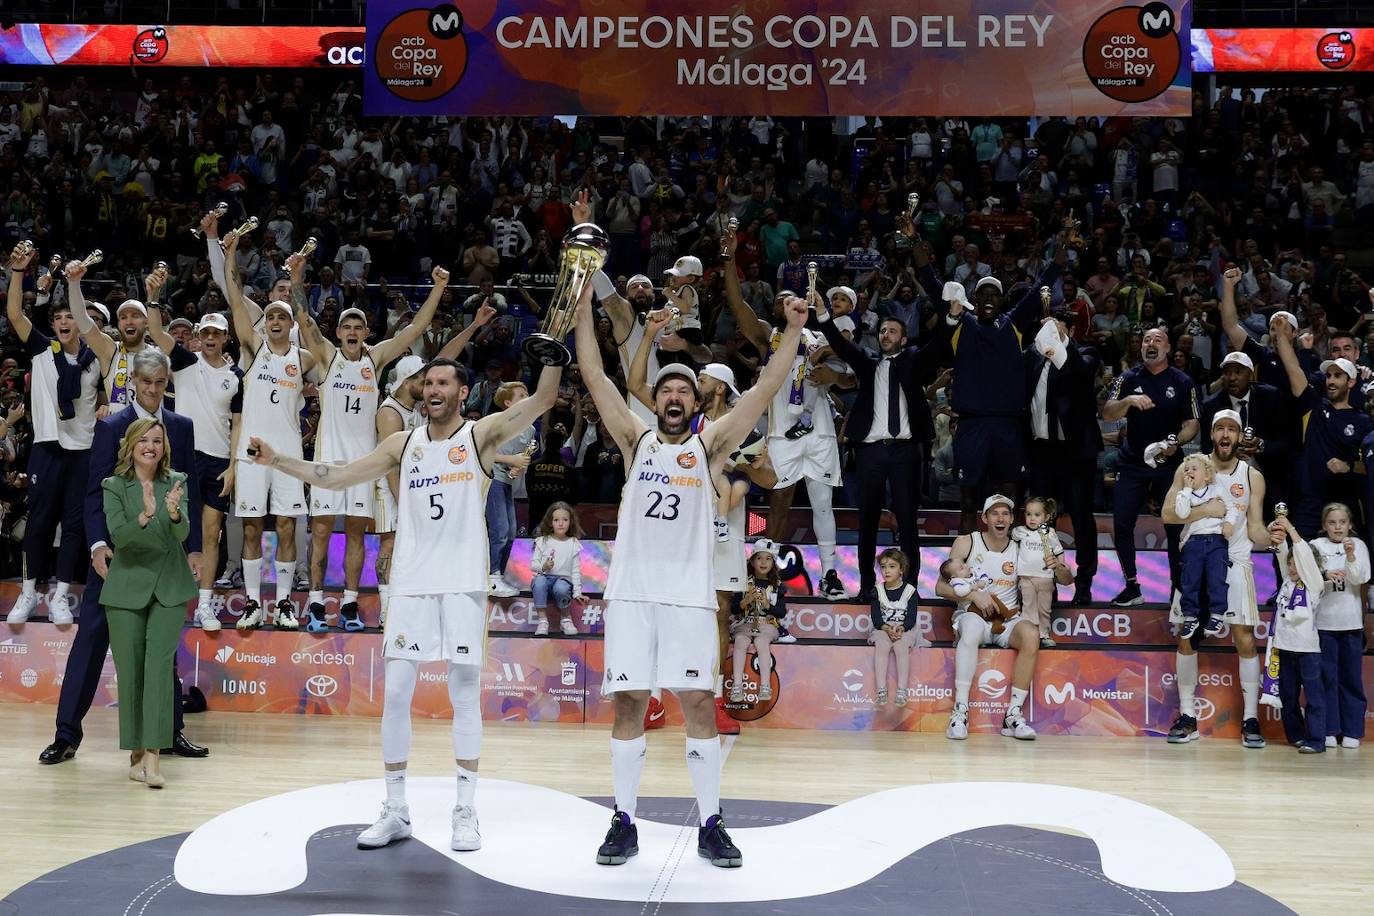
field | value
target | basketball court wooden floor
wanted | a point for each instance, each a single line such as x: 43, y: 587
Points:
x: 833, y: 822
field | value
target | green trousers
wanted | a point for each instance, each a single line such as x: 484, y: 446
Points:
x: 144, y: 642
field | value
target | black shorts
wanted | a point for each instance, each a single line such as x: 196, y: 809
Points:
x: 208, y: 469
x: 989, y: 451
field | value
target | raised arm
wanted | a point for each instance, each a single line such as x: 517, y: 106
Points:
x: 459, y: 341
x: 1283, y: 345
x: 495, y: 430
x: 1230, y: 319
x: 389, y: 349
x: 729, y: 431
x: 373, y: 466
x: 754, y: 328
x: 14, y: 298
x: 243, y: 318
x: 637, y: 380
x: 215, y: 254
x: 321, y: 349
x: 95, y: 338
x: 152, y: 285
x: 624, y: 426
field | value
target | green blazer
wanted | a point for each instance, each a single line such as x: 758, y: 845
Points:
x: 149, y: 563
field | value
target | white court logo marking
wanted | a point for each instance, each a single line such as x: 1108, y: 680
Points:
x: 259, y: 848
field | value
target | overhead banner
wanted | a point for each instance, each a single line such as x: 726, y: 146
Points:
x: 48, y: 44
x: 1282, y: 50
x: 648, y: 57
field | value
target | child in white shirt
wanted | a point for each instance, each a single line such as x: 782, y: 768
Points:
x: 1296, y: 642
x: 1036, y: 542
x: 557, y: 566
x: 1205, y: 553
x: 1344, y: 561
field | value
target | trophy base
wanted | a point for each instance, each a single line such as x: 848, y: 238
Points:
x: 546, y: 350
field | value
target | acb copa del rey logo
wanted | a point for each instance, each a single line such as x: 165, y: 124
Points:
x: 1133, y: 53
x: 422, y: 54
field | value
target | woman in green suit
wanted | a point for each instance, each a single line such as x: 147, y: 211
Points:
x: 146, y: 591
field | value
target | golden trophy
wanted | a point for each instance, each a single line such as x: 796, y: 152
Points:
x: 248, y: 226
x: 528, y: 452
x: 913, y: 202
x: 219, y: 210
x: 308, y: 248
x: 92, y: 259
x: 584, y: 251
x: 730, y: 229
x: 1045, y: 299
x: 1280, y: 511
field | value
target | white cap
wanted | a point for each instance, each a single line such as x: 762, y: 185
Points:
x: 104, y: 312
x: 1238, y: 358
x: 997, y: 499
x: 1223, y: 415
x: 842, y: 291
x: 722, y: 373
x: 1344, y: 365
x: 132, y: 304
x: 214, y: 320
x: 844, y: 323
x: 351, y: 312
x: 639, y: 280
x: 278, y: 305
x: 988, y: 281
x: 407, y: 366
x: 674, y: 369
x: 1287, y: 316
x: 685, y: 266
x: 764, y: 545
x: 954, y: 292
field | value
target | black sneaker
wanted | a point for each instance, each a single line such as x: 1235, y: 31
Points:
x: 1129, y: 596
x: 1082, y: 596
x: 1214, y: 625
x: 286, y: 616
x: 798, y: 430
x: 784, y: 636
x: 831, y: 587
x: 315, y: 620
x: 1188, y: 628
x: 1250, y: 734
x: 349, y: 619
x: 1184, y: 730
x: 251, y: 618
x: 622, y: 841
x: 714, y: 843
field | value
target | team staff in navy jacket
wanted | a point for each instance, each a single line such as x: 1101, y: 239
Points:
x: 151, y: 369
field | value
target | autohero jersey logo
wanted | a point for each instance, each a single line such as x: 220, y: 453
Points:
x: 1133, y: 53
x: 421, y: 54
x: 439, y: 480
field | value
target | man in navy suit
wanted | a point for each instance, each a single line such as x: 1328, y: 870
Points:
x: 150, y: 371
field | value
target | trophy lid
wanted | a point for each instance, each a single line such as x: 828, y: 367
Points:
x: 588, y: 235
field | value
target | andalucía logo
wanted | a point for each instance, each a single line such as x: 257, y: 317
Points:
x: 422, y: 54
x: 1133, y: 53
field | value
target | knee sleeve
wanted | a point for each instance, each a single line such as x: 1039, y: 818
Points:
x: 401, y: 675
x: 465, y: 693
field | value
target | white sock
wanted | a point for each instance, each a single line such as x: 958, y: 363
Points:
x: 30, y: 587
x: 965, y: 663
x: 252, y: 579
x: 720, y: 685
x: 286, y: 577
x: 206, y: 596
x: 467, y: 786
x: 1250, y: 684
x: 656, y: 694
x: 60, y: 591
x: 1018, y: 697
x: 827, y: 552
x: 315, y: 598
x: 1185, y: 667
x: 350, y: 597
x: 396, y: 786
x: 627, y: 765
x: 703, y: 763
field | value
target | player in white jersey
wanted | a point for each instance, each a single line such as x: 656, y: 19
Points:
x: 134, y: 322
x: 210, y: 392
x: 63, y: 427
x: 439, y: 580
x: 1242, y: 489
x: 802, y: 444
x: 273, y: 397
x: 660, y: 616
x: 992, y: 616
x: 347, y: 431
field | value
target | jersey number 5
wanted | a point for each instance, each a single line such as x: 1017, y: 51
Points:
x: 664, y: 507
x: 436, y: 506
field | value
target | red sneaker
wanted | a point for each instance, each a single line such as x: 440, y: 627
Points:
x: 725, y: 723
x: 655, y: 716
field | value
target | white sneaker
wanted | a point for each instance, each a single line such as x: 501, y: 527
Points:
x: 542, y: 627
x: 251, y: 618
x: 1350, y: 743
x: 232, y: 578
x: 393, y: 825
x: 302, y: 583
x: 722, y: 528
x: 1330, y: 740
x: 498, y: 587
x: 23, y: 607
x: 958, y: 723
x: 568, y: 627
x: 60, y: 613
x: 466, y: 837
x: 206, y: 618
x: 286, y: 616
x: 1014, y: 726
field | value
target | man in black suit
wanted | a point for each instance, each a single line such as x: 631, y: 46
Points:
x: 150, y: 370
x: 889, y: 428
x: 1266, y: 411
x: 1065, y: 440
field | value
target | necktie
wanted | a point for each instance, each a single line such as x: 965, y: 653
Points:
x: 1244, y: 413
x: 894, y: 404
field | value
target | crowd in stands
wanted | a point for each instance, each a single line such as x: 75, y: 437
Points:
x: 1130, y: 223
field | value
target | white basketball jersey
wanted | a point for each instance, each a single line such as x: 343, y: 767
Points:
x: 119, y: 381
x: 997, y: 565
x: 665, y: 539
x: 1235, y: 491
x: 273, y: 395
x: 410, y: 417
x: 894, y: 611
x: 441, y: 524
x: 207, y: 396
x: 627, y: 355
x: 798, y: 395
x: 348, y: 409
